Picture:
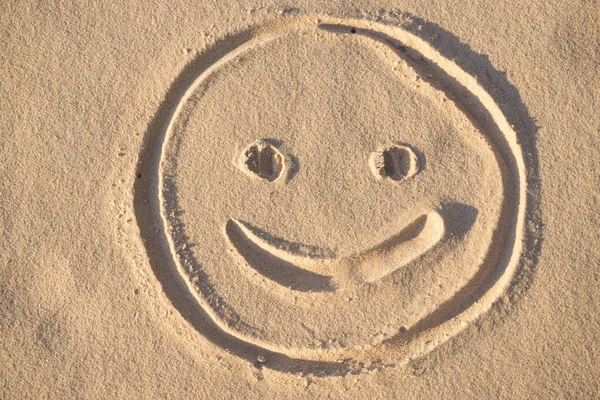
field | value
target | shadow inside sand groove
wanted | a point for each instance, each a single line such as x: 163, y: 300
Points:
x: 274, y: 268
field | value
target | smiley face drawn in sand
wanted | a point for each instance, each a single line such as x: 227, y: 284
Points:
x: 333, y: 190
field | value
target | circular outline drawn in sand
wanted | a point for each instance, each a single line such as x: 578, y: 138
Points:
x: 516, y: 242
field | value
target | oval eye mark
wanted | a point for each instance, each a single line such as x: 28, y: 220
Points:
x: 396, y: 162
x: 263, y: 160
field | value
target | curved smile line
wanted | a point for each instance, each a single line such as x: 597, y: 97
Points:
x: 311, y: 269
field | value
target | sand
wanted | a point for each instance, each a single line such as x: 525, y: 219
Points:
x: 300, y: 201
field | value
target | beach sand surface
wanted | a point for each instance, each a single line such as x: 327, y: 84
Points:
x: 363, y: 200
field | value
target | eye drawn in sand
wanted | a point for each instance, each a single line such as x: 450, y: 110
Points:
x: 263, y: 160
x: 373, y: 252
x: 396, y: 162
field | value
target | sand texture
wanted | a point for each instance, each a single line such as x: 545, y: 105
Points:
x: 356, y: 200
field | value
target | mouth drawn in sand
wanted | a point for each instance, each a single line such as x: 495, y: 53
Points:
x: 304, y: 268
